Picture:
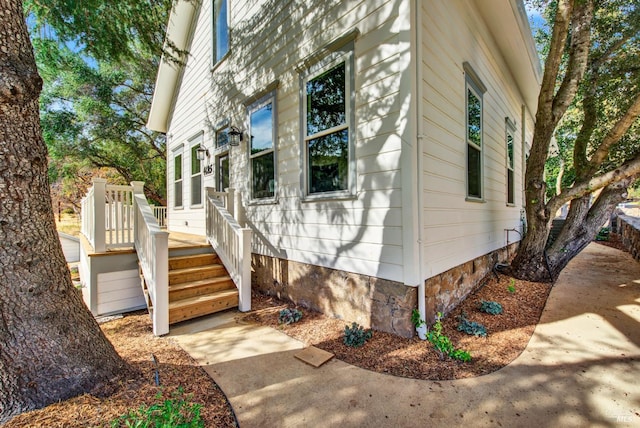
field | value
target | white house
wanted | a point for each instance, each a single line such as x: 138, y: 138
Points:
x: 382, y: 149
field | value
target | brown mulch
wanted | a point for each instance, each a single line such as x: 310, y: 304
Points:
x: 508, y: 334
x: 614, y: 241
x: 133, y: 339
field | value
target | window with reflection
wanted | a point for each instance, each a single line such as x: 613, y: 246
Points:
x: 261, y: 148
x: 327, y: 104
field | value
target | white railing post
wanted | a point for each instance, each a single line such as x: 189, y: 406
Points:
x: 244, y: 296
x: 99, y: 221
x: 230, y: 201
x: 161, y: 267
x: 138, y: 189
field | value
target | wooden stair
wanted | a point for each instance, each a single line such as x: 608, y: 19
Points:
x: 199, y: 285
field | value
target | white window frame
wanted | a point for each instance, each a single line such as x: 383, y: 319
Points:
x: 270, y: 98
x: 346, y: 55
x: 510, y: 131
x: 195, y: 142
x: 218, y: 175
x: 216, y: 57
x: 178, y: 153
x: 474, y: 85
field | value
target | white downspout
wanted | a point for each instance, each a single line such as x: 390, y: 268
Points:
x: 422, y: 330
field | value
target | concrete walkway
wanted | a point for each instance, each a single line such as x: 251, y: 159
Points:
x: 580, y: 369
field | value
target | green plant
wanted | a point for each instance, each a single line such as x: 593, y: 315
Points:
x: 603, y: 235
x: 442, y: 343
x: 511, y: 288
x: 355, y: 335
x: 490, y: 307
x: 471, y: 327
x: 416, y: 320
x: 289, y: 316
x: 460, y: 355
x: 176, y: 411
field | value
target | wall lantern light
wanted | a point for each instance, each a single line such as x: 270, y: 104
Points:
x: 201, y: 152
x: 235, y: 136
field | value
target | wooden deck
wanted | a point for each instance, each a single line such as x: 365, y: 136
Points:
x: 176, y: 240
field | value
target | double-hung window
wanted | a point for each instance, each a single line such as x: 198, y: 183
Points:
x: 261, y: 146
x: 473, y: 126
x: 177, y: 179
x: 196, y: 172
x: 222, y: 159
x: 510, y: 131
x: 327, y: 100
x: 220, y: 30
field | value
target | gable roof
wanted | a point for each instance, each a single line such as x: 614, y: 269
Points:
x: 176, y: 43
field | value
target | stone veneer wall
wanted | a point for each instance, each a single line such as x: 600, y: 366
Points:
x: 445, y: 291
x: 372, y: 302
x: 629, y: 230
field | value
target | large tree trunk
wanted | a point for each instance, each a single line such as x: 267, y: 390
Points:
x: 51, y: 348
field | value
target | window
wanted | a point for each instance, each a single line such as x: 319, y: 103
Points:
x: 510, y: 130
x: 177, y: 180
x: 222, y: 177
x: 328, y: 140
x: 220, y: 30
x: 196, y: 175
x: 261, y: 146
x: 474, y: 89
x: 222, y: 137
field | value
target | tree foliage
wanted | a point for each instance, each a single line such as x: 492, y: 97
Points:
x: 590, y: 102
x: 98, y: 65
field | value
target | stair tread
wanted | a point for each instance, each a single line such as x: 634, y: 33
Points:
x: 199, y: 282
x: 192, y: 256
x: 213, y: 266
x: 201, y: 299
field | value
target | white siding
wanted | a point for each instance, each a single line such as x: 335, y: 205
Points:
x: 267, y: 44
x: 119, y: 292
x: 457, y: 230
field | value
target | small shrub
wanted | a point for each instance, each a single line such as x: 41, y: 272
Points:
x: 511, y: 288
x: 471, y: 327
x: 490, y: 307
x: 603, y: 235
x: 461, y: 355
x: 174, y: 412
x: 443, y: 345
x: 356, y: 336
x: 289, y: 316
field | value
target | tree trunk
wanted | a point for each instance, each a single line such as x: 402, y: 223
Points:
x: 583, y: 224
x: 51, y: 348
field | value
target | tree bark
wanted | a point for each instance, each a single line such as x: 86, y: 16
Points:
x: 51, y: 348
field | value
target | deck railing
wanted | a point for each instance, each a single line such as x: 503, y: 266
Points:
x: 231, y: 242
x: 160, y: 213
x: 152, y: 247
x: 108, y: 216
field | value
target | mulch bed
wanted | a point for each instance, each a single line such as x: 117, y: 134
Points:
x: 508, y: 334
x: 133, y: 339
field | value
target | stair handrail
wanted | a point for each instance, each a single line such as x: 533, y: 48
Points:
x: 152, y: 247
x: 231, y: 242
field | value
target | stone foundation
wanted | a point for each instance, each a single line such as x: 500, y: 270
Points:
x: 629, y: 229
x: 445, y: 291
x: 371, y: 302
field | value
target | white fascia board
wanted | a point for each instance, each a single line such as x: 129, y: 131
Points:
x: 178, y: 32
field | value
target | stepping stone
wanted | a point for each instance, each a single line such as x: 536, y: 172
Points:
x: 314, y: 356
